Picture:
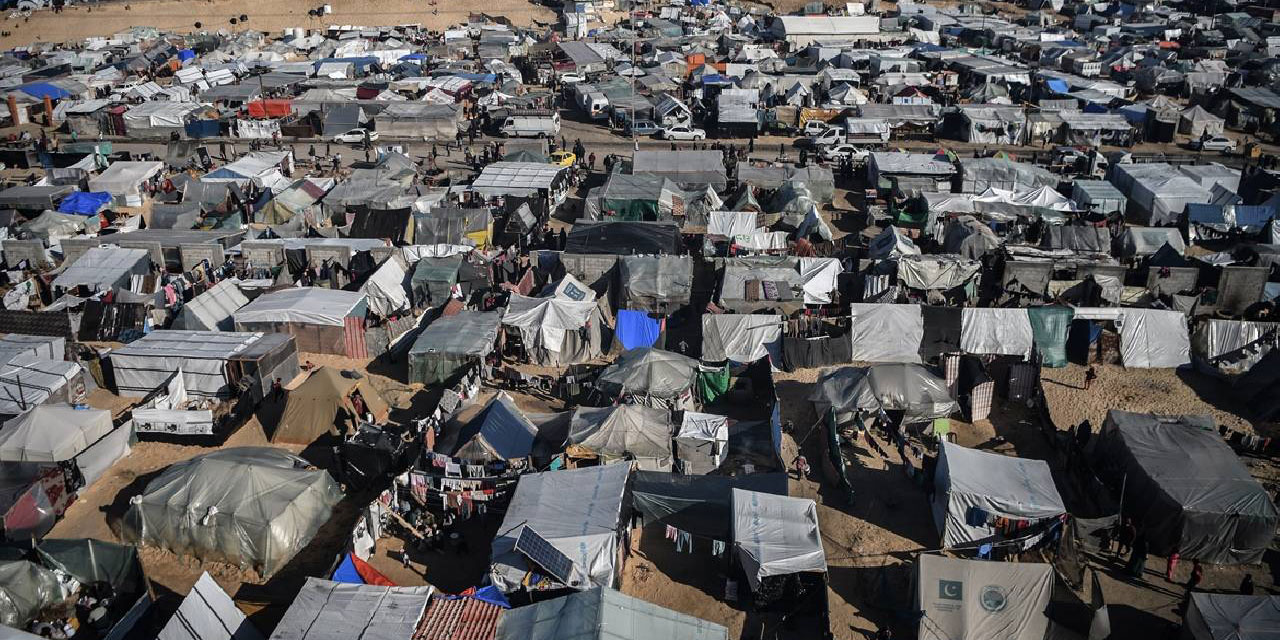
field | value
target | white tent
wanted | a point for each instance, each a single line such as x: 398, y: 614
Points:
x: 1196, y: 122
x: 52, y: 433
x: 104, y: 268
x: 208, y: 613
x: 385, y: 291
x: 327, y: 610
x: 739, y: 337
x: 549, y: 328
x: 1154, y: 338
x: 776, y: 535
x: 968, y: 481
x: 123, y: 179
x: 1227, y: 616
x: 996, y: 331
x: 212, y: 310
x: 302, y: 305
x: 886, y: 332
x: 259, y: 167
x: 982, y: 599
x: 706, y: 432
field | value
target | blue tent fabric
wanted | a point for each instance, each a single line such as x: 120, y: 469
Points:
x: 346, y: 572
x: 1057, y: 86
x: 636, y: 329
x: 489, y: 594
x: 186, y: 54
x: 44, y: 90
x: 85, y: 203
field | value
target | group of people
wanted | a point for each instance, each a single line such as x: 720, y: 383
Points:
x: 1129, y: 540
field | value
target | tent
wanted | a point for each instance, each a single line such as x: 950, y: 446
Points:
x: 701, y: 441
x: 1196, y: 122
x: 90, y: 560
x: 909, y: 388
x: 320, y: 320
x: 702, y: 504
x: 206, y: 360
x: 742, y: 338
x: 212, y: 310
x: 556, y: 331
x: 322, y: 401
x: 327, y: 610
x: 996, y: 331
x: 1227, y: 616
x: 1145, y: 241
x: 651, y: 377
x: 208, y: 613
x: 104, y: 269
x: 886, y: 332
x: 452, y: 344
x: 247, y: 506
x: 603, y: 614
x: 775, y: 535
x: 52, y: 433
x: 576, y: 511
x: 1187, y: 489
x: 623, y: 433
x: 26, y: 588
x: 384, y: 290
x: 655, y: 283
x: 959, y: 598
x: 123, y: 180
x: 504, y: 431
x: 52, y: 227
x: 1154, y: 338
x: 968, y: 481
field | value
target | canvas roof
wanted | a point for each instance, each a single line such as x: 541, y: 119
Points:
x: 651, y: 372
x: 303, y: 305
x: 776, y: 535
x: 905, y: 387
x: 1228, y: 616
x: 214, y: 309
x: 624, y: 431
x: 501, y: 431
x: 52, y: 433
x: 312, y: 407
x: 327, y: 610
x: 1004, y: 486
x: 982, y: 599
x: 516, y: 178
x: 208, y: 613
x: 464, y: 333
x: 603, y: 614
x: 101, y: 268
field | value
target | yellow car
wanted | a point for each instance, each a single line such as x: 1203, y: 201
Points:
x: 563, y: 158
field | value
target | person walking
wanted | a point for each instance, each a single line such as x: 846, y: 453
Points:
x: 1138, y: 559
x: 1172, y: 565
x: 591, y: 162
x: 1196, y: 577
x: 1089, y: 377
x: 1124, y: 541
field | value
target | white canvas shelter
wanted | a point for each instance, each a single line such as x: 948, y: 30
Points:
x: 105, y: 268
x: 996, y: 331
x: 776, y: 535
x: 146, y: 364
x: 259, y: 167
x: 150, y: 117
x: 1154, y: 338
x: 123, y: 180
x: 212, y: 310
x: 624, y: 432
x: 982, y: 599
x: 1002, y: 486
x: 303, y: 305
x: 52, y: 433
x: 1228, y: 616
x: 30, y: 379
x: 549, y: 328
x: 741, y: 337
x: 385, y: 291
x: 705, y: 431
x: 327, y: 610
x: 886, y: 332
x: 208, y: 613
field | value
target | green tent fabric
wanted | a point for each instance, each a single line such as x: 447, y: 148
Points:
x: 630, y: 210
x: 1049, y: 327
x: 712, y: 383
x: 89, y: 560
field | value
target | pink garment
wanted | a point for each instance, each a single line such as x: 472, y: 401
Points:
x: 170, y: 295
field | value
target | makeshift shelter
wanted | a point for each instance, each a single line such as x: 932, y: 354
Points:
x: 384, y: 290
x: 958, y: 598
x: 213, y: 310
x: 742, y: 338
x: 61, y: 433
x: 634, y: 197
x: 212, y: 363
x: 26, y: 588
x: 886, y: 332
x: 969, y: 482
x: 451, y: 345
x: 51, y: 227
x: 247, y: 506
x: 208, y: 613
x: 577, y: 512
x: 603, y: 614
x: 1197, y: 122
x: 85, y: 203
x: 1144, y: 241
x: 1227, y: 616
x: 1154, y: 338
x: 433, y: 280
x: 556, y: 331
x: 260, y: 168
x: 35, y: 197
x: 322, y: 402
x: 1186, y: 488
x: 30, y: 379
x: 90, y: 560
x: 327, y: 610
x: 651, y: 377
x: 622, y: 433
x: 701, y: 442
x: 623, y: 238
x: 909, y: 388
x: 104, y: 269
x: 503, y: 431
x: 775, y: 536
x: 124, y: 180
x: 996, y: 331
x: 660, y: 284
x: 321, y: 320
x: 419, y: 120
x: 685, y: 168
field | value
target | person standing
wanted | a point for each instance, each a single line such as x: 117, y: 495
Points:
x: 1138, y: 559
x: 1197, y: 575
x: 1246, y: 585
x: 591, y: 162
x: 404, y: 557
x: 1089, y: 377
x: 277, y: 390
x: 1124, y: 541
x: 1172, y: 565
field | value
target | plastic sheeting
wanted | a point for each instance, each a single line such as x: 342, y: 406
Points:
x: 936, y: 272
x: 577, y: 511
x: 208, y: 613
x: 302, y: 305
x: 655, y: 282
x: 384, y: 290
x: 649, y: 372
x: 1227, y: 616
x: 819, y: 277
x: 636, y: 329
x: 1001, y: 486
x: 553, y: 328
x: 105, y: 268
x: 1154, y: 338
x: 145, y: 365
x: 602, y: 614
x: 909, y: 388
x: 502, y: 431
x: 1049, y: 325
x: 996, y: 331
x: 25, y: 589
x: 212, y: 310
x: 327, y: 610
x: 981, y: 599
x: 52, y: 433
x: 1188, y: 490
x: 741, y: 338
x: 623, y: 433
x: 886, y: 332
x: 1144, y: 241
x: 247, y: 506
x: 90, y: 560
x: 776, y: 535
x: 450, y: 343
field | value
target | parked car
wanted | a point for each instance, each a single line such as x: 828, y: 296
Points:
x: 356, y: 136
x: 644, y: 128
x: 572, y: 78
x: 682, y: 132
x: 564, y: 158
x: 838, y: 152
x: 1216, y: 143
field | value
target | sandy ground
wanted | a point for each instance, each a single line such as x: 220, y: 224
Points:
x: 83, y: 21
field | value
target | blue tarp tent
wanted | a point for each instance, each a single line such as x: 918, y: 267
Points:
x: 489, y: 594
x: 636, y: 329
x: 1057, y: 86
x: 346, y: 572
x: 186, y: 54
x: 42, y: 90
x: 201, y: 129
x: 85, y: 203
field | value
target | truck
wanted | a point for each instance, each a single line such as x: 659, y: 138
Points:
x: 545, y: 124
x: 829, y: 135
x: 592, y: 102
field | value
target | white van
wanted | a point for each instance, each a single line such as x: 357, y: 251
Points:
x: 829, y: 136
x: 595, y: 105
x: 531, y: 126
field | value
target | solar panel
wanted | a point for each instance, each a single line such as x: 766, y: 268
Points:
x: 540, y: 552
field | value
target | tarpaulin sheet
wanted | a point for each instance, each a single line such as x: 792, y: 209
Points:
x: 52, y: 433
x: 636, y: 329
x: 624, y: 433
x: 701, y: 505
x: 936, y: 272
x: 655, y: 282
x: 601, y: 613
x: 1000, y: 485
x: 996, y: 331
x: 502, y: 431
x: 740, y: 337
x: 90, y: 560
x: 819, y: 276
x: 981, y: 599
x: 942, y: 330
x: 85, y: 203
x: 1187, y: 489
x: 1228, y: 616
x: 1049, y: 325
x: 776, y: 535
x: 909, y: 388
x: 886, y: 332
x: 1154, y: 338
x: 208, y: 613
x: 328, y: 610
x: 26, y: 589
x: 303, y: 305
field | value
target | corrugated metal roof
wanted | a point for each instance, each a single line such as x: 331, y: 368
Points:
x: 460, y: 619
